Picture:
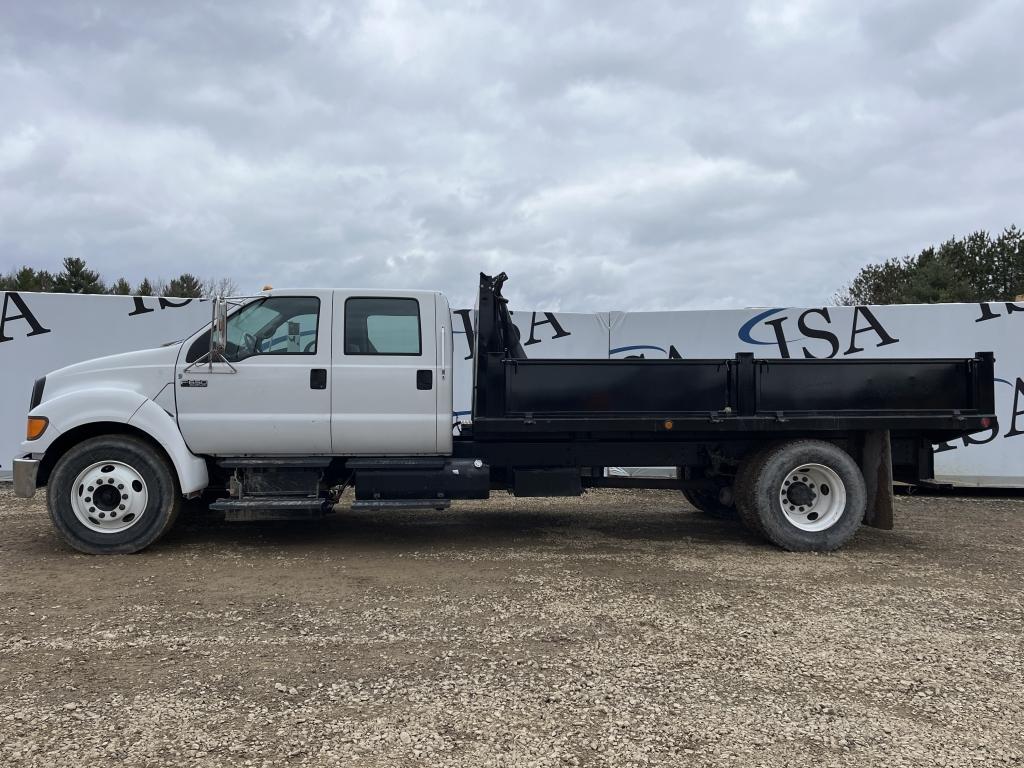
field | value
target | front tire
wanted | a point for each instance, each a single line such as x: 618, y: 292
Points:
x: 113, y: 495
x: 803, y: 496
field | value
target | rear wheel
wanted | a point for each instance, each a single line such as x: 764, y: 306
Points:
x: 803, y: 496
x: 112, y: 495
x: 743, y: 491
x: 714, y: 502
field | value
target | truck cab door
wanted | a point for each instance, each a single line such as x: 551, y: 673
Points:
x: 271, y: 394
x: 384, y: 375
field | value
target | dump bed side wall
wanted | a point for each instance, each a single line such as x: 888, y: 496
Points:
x: 667, y: 388
x: 615, y: 386
x: 868, y: 385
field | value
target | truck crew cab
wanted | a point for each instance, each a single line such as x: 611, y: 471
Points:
x: 288, y: 398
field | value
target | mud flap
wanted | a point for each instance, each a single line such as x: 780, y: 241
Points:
x: 876, y: 466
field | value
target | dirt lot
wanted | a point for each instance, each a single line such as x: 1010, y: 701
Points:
x: 619, y: 629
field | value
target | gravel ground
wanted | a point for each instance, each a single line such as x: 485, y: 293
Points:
x: 618, y: 629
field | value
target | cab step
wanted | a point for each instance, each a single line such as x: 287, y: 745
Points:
x: 274, y: 462
x: 272, y: 508
x: 378, y: 505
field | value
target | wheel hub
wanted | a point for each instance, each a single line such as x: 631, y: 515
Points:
x: 800, y: 494
x: 106, y: 498
x: 109, y: 497
x: 813, y: 497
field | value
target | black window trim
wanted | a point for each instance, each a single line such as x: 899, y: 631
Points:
x: 419, y: 329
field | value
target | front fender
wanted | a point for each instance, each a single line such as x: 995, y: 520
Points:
x: 162, y: 427
x: 76, y: 409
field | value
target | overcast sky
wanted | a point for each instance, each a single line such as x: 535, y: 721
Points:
x: 607, y: 155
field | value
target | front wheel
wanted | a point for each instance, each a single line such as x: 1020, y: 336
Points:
x: 804, y: 496
x: 112, y: 495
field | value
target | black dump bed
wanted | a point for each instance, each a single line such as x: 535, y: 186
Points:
x: 937, y: 399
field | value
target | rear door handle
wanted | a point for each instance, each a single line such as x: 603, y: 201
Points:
x: 318, y: 378
x: 425, y: 379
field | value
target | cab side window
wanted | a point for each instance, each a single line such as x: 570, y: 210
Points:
x: 277, y: 325
x: 382, y: 326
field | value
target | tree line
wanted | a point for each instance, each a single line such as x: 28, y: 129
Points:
x: 972, y: 269
x: 76, y: 277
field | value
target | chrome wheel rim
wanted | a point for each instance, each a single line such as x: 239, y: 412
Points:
x: 109, y: 497
x: 813, y: 497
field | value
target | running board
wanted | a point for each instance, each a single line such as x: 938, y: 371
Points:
x: 274, y: 462
x: 271, y: 508
x: 378, y: 505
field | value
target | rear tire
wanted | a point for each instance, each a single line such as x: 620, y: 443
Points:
x: 804, y: 496
x: 749, y: 469
x: 115, y: 494
x: 709, y: 501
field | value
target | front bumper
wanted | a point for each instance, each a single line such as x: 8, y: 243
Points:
x: 25, y: 473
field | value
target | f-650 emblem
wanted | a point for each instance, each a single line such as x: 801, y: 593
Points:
x: 193, y: 382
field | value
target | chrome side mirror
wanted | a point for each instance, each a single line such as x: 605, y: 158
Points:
x: 219, y: 328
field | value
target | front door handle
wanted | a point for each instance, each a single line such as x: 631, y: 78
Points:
x: 318, y: 378
x: 425, y: 379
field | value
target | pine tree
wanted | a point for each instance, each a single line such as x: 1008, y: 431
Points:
x: 187, y: 286
x: 77, y: 278
x: 145, y: 288
x: 27, y: 279
x: 121, y: 287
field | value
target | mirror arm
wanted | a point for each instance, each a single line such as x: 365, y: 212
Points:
x: 214, y: 354
x: 208, y: 360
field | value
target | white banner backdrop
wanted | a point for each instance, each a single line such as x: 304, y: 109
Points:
x: 42, y: 332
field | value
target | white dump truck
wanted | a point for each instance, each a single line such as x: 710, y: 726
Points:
x: 287, y: 398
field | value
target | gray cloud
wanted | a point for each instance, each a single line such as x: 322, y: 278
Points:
x: 607, y: 155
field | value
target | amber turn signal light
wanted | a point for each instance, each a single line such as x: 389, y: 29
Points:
x: 36, y: 427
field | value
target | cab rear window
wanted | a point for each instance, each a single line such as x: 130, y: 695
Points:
x: 382, y: 326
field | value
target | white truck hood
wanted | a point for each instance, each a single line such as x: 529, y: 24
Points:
x: 147, y: 372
